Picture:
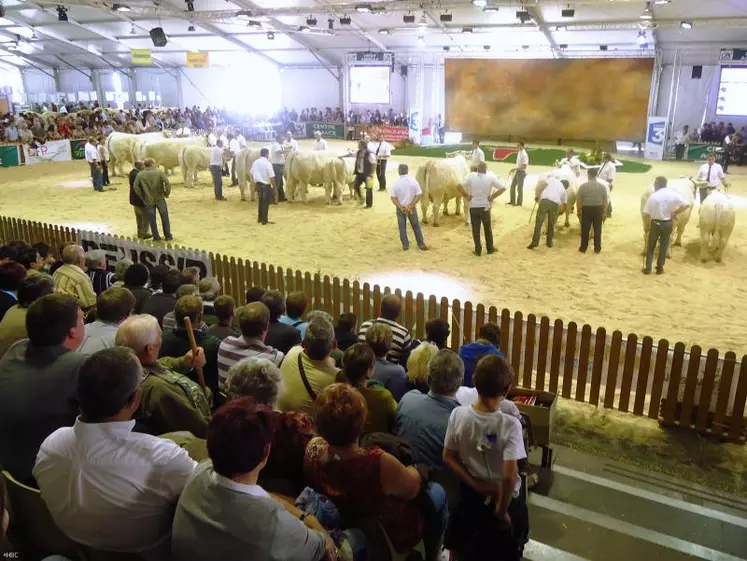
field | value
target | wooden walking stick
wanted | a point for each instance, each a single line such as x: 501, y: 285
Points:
x: 193, y: 345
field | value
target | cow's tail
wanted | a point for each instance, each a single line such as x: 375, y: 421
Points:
x: 180, y: 157
x: 427, y: 173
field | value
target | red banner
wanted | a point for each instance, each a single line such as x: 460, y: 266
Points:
x: 393, y: 134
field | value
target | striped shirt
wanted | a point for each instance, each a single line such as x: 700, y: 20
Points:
x: 101, y: 279
x: 401, y: 339
x: 233, y: 350
x: 71, y: 279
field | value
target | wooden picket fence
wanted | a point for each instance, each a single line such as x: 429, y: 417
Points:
x: 693, y: 388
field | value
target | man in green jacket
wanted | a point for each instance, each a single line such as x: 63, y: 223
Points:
x: 153, y: 187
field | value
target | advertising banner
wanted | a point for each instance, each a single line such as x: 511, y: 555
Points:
x: 414, y: 120
x: 299, y: 130
x: 328, y: 130
x: 9, y: 156
x: 700, y: 151
x: 50, y: 151
x: 78, y: 149
x: 150, y: 256
x: 141, y: 57
x: 391, y: 134
x: 198, y: 60
x: 656, y: 135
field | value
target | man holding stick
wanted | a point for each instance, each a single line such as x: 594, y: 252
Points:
x: 406, y: 193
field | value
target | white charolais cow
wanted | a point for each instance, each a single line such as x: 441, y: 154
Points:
x: 716, y: 223
x: 121, y: 145
x: 340, y: 172
x: 193, y: 159
x: 440, y: 180
x: 166, y: 151
x: 304, y: 168
x: 244, y: 160
x: 683, y: 186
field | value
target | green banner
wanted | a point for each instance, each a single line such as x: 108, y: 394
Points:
x: 328, y: 130
x: 9, y: 156
x: 78, y: 148
x: 700, y: 151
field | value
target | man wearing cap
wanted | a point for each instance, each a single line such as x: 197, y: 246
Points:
x: 383, y: 151
x: 319, y: 144
x: 92, y: 157
x: 101, y: 279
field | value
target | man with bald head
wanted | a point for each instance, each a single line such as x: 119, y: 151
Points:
x: 391, y: 306
x: 71, y: 279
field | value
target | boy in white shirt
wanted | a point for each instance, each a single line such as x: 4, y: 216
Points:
x: 483, y: 447
x: 517, y: 184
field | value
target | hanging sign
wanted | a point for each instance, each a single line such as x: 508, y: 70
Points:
x: 198, y: 60
x: 141, y: 57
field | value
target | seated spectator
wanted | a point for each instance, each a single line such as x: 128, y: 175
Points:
x: 391, y: 306
x: 106, y: 486
x: 210, y: 289
x: 368, y: 482
x: 120, y: 269
x: 71, y: 279
x: 46, y: 254
x: 346, y: 332
x: 135, y: 280
x: 11, y: 275
x: 101, y: 278
x: 157, y: 275
x: 437, y: 332
x: 254, y: 294
x: 176, y: 341
x: 422, y: 418
x: 280, y: 336
x: 254, y: 321
x: 31, y: 261
x: 161, y: 303
x: 57, y: 263
x: 169, y: 320
x: 225, y: 309
x: 309, y: 368
x: 113, y: 306
x: 8, y: 253
x: 469, y: 396
x: 170, y: 400
x: 295, y: 306
x: 392, y: 376
x: 357, y: 370
x: 491, y: 520
x: 224, y: 513
x: 191, y: 275
x: 417, y: 366
x: 488, y: 340
x: 13, y: 325
x: 37, y: 381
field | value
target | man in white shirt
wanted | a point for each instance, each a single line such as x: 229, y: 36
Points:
x: 406, y: 193
x: 291, y: 142
x: 264, y: 177
x: 520, y: 173
x: 113, y: 306
x: 233, y: 148
x: 477, y: 155
x: 183, y: 131
x: 478, y: 188
x: 242, y: 141
x: 383, y: 151
x: 11, y: 133
x: 710, y: 176
x: 608, y: 172
x: 92, y: 157
x: 108, y: 487
x: 661, y: 209
x: 552, y: 197
x: 216, y: 169
x: 571, y: 160
x: 319, y: 144
x: 277, y: 159
x: 681, y: 140
x: 727, y: 150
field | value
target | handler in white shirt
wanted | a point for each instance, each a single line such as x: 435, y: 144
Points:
x: 93, y: 158
x: 477, y: 155
x: 520, y: 174
x: 661, y: 208
x: 264, y: 178
x: 406, y: 193
x: 319, y: 144
x: 710, y: 176
x: 291, y: 142
x: 478, y: 188
x: 571, y: 160
x: 608, y: 172
x: 234, y: 148
x: 681, y: 140
x: 108, y: 487
x: 552, y: 197
x: 277, y: 159
x: 216, y: 169
x: 383, y: 151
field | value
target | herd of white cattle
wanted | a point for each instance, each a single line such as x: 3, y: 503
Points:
x: 438, y: 178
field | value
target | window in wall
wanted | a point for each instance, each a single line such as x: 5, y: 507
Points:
x: 370, y: 84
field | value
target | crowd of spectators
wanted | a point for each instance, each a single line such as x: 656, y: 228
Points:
x: 715, y: 133
x: 282, y: 436
x: 337, y: 116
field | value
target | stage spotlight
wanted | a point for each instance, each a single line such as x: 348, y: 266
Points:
x: 254, y: 23
x: 423, y: 21
x: 445, y: 17
x: 345, y: 20
x: 121, y: 8
x: 447, y: 48
x: 61, y: 13
x: 686, y: 24
x: 603, y: 47
x: 364, y: 8
x: 467, y: 30
x: 486, y: 47
x: 408, y: 18
x: 270, y: 36
x: 563, y: 47
x: 490, y: 9
x: 642, y: 38
x: 662, y: 2
x: 479, y: 3
x: 191, y: 28
x: 568, y: 13
x: 647, y: 14
x: 330, y: 24
x: 311, y: 21
x: 190, y: 5
x: 383, y: 32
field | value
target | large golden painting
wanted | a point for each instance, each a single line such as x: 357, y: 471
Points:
x: 573, y: 99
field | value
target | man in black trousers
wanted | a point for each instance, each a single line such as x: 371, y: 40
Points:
x: 365, y: 163
x: 264, y: 178
x: 591, y: 202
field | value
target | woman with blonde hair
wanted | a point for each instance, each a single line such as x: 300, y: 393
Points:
x: 417, y: 366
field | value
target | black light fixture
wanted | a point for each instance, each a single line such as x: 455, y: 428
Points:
x: 270, y: 36
x: 191, y: 28
x: 603, y: 47
x: 467, y: 30
x: 61, y: 13
x: 383, y: 32
x: 490, y: 9
x: 330, y: 24
x: 243, y: 13
x: 525, y: 47
x: 486, y: 47
x: 311, y: 21
x: 568, y: 13
x: 447, y: 48
x: 345, y: 20
x: 522, y: 14
x: 254, y: 23
x: 445, y: 17
x: 121, y: 8
x: 190, y: 5
x: 563, y: 46
x: 408, y: 18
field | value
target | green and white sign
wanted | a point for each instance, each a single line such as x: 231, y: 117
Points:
x: 9, y: 156
x: 51, y: 151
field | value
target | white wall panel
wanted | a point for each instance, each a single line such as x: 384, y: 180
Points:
x: 312, y: 87
x: 36, y: 82
x: 159, y: 81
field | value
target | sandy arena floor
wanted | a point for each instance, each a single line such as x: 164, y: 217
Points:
x: 606, y: 289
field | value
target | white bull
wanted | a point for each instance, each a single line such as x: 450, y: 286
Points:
x: 166, y: 151
x: 193, y: 159
x: 440, y: 180
x: 716, y: 222
x: 340, y: 172
x: 121, y: 145
x: 244, y: 161
x: 684, y: 187
x: 310, y: 168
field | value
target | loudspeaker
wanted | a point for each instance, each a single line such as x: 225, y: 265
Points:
x: 2, y: 11
x: 403, y: 70
x: 697, y: 72
x: 158, y: 37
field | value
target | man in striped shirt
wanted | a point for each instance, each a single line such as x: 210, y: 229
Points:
x: 71, y: 279
x: 101, y: 279
x: 391, y: 306
x: 254, y: 321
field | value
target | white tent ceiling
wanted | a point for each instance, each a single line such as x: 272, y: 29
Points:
x: 97, y: 36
